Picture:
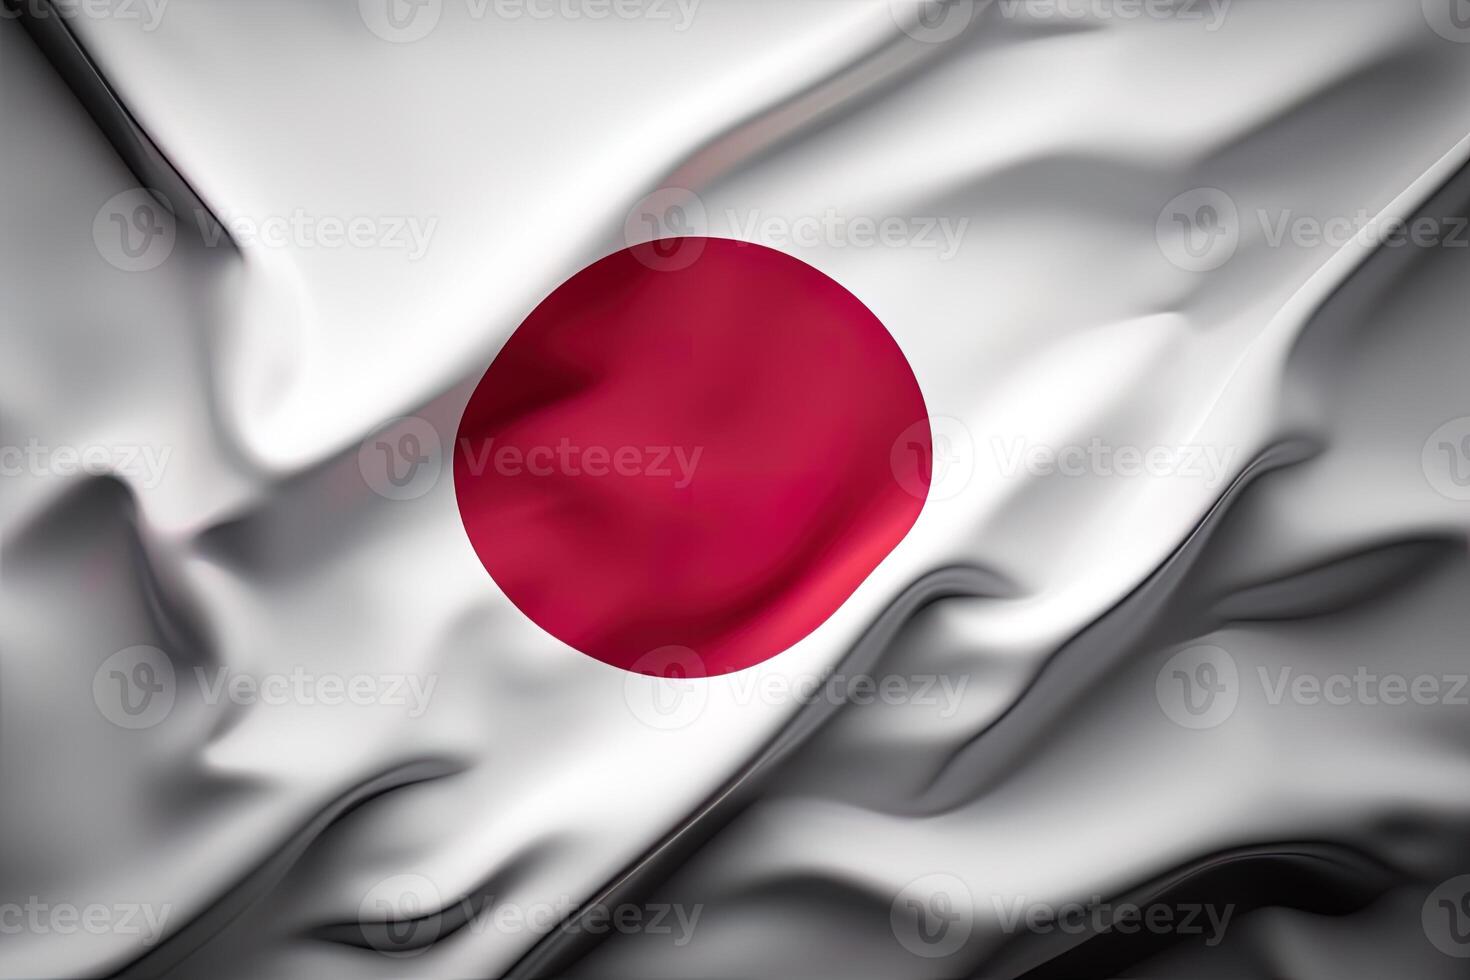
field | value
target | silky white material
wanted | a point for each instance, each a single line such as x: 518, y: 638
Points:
x: 1049, y: 147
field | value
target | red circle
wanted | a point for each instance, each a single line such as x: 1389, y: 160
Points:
x: 692, y: 457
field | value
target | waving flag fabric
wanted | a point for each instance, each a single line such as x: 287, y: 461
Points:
x: 734, y: 488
